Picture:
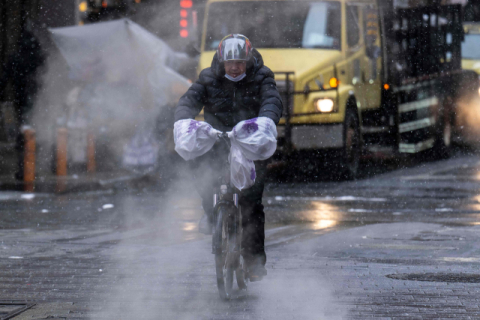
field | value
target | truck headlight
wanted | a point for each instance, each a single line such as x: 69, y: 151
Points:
x: 324, y: 105
x: 83, y: 6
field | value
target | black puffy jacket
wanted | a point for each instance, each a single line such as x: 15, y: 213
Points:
x: 226, y: 102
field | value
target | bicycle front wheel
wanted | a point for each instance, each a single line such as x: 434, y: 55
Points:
x: 240, y: 275
x: 222, y: 240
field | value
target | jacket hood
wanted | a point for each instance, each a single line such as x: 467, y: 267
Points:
x: 254, y: 64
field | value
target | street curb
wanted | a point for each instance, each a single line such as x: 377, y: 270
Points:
x: 70, y: 184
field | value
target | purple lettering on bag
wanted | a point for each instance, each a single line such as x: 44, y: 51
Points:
x: 252, y: 174
x: 193, y: 126
x: 250, y: 126
x: 267, y: 128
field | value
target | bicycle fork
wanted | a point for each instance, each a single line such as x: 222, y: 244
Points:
x: 223, y: 193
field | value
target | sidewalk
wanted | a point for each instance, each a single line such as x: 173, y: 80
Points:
x: 74, y: 182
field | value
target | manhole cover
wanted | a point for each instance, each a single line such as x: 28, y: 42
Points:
x: 433, y: 236
x: 437, y: 277
x: 12, y: 308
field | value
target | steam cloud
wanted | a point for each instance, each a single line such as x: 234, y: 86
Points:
x: 110, y: 79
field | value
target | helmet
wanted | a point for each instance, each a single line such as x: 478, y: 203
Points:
x: 234, y: 47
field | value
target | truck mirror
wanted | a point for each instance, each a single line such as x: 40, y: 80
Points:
x: 306, y: 89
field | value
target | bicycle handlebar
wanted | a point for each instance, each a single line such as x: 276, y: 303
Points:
x: 224, y: 137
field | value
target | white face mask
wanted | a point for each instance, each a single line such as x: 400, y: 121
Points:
x: 236, y: 79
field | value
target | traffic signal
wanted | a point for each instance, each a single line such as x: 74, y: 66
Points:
x: 185, y: 15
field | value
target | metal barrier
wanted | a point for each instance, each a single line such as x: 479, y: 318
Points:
x: 91, y: 163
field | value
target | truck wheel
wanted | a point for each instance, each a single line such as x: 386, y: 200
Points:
x: 351, y: 146
x: 443, y: 139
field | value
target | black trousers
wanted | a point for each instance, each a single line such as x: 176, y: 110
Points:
x: 207, y: 172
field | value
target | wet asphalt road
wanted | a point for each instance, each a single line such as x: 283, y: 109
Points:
x: 336, y: 250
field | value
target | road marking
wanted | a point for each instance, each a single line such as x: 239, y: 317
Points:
x: 459, y: 259
x: 405, y: 247
x: 328, y: 198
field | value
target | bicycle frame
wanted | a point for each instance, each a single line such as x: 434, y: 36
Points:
x: 226, y: 196
x: 227, y: 236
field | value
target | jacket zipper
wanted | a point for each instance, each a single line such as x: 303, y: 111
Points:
x: 234, y: 97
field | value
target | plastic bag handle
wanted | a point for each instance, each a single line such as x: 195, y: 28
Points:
x: 223, y: 136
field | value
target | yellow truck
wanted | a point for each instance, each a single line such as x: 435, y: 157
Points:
x: 356, y: 76
x: 471, y: 47
x: 468, y: 105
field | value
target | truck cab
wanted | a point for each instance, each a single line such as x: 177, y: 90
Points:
x: 471, y: 47
x: 328, y: 49
x: 469, y: 102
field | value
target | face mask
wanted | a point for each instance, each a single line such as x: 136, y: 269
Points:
x: 240, y: 77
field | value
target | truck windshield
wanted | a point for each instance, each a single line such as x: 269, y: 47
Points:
x: 471, y: 47
x: 276, y: 24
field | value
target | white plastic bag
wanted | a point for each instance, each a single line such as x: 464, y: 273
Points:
x: 242, y: 170
x: 193, y: 138
x: 142, y: 149
x: 252, y: 140
x: 256, y: 138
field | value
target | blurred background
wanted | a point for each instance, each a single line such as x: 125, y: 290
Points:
x: 88, y: 90
x: 107, y: 75
x: 82, y: 79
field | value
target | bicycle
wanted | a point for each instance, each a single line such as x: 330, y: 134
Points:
x: 227, y: 234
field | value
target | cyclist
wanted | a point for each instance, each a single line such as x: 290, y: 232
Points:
x: 237, y: 87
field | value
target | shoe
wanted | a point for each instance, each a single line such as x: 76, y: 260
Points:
x: 205, y: 226
x: 256, y: 269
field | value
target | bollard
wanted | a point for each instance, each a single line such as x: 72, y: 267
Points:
x: 62, y: 140
x: 61, y: 169
x: 91, y: 164
x: 29, y: 160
